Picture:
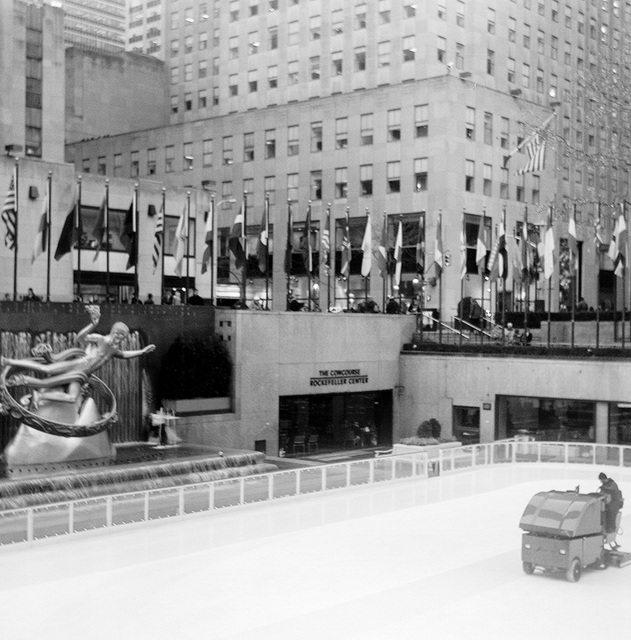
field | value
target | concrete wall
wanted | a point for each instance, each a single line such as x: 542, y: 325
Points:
x: 277, y: 354
x: 112, y: 93
x: 434, y: 383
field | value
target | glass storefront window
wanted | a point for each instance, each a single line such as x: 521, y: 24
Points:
x: 620, y: 423
x: 466, y: 424
x: 549, y: 419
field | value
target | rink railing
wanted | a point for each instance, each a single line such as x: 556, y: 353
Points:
x: 29, y: 524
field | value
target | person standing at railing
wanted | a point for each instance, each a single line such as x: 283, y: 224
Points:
x: 613, y: 504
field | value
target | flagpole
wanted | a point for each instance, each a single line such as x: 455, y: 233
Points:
x: 464, y: 240
x: 482, y: 271
x: 597, y: 243
x: 368, y: 276
x: 17, y: 226
x: 134, y: 246
x: 328, y: 260
x: 419, y: 318
x: 526, y: 269
x: 107, y: 239
x: 48, y: 216
x: 624, y: 279
x: 440, y: 283
x: 188, y: 244
x: 244, y: 239
x: 503, y: 274
x: 549, y: 279
x: 288, y: 252
x: 267, y: 251
x: 574, y: 280
x: 347, y: 233
x: 163, y: 248
x: 384, y: 276
x: 79, y: 230
x: 308, y: 240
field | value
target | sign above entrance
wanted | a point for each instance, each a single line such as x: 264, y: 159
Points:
x: 334, y: 377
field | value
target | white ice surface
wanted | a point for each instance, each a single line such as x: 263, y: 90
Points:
x: 435, y: 559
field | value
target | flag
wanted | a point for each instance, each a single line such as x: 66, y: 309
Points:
x: 599, y: 231
x: 236, y: 242
x: 41, y: 239
x: 262, y: 249
x: 536, y: 150
x: 420, y: 246
x: 367, y: 248
x: 158, y: 240
x: 480, y: 246
x: 345, y: 269
x: 439, y: 256
x: 463, y: 253
x: 325, y: 242
x: 10, y: 213
x: 307, y: 253
x: 129, y: 233
x: 572, y: 242
x: 532, y: 146
x: 517, y: 259
x: 620, y: 239
x: 69, y: 233
x: 181, y: 239
x: 382, y: 253
x: 289, y: 247
x: 100, y: 226
x: 498, y: 260
x: 398, y: 254
x: 548, y: 249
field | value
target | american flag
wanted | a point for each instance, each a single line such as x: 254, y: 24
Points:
x: 10, y: 215
x: 158, y: 239
x: 325, y: 241
x: 536, y: 150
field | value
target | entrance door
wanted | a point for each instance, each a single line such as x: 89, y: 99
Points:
x: 466, y: 424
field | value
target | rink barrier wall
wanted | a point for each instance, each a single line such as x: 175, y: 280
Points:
x: 32, y: 524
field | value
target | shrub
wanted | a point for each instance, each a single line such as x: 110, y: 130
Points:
x: 195, y: 367
x: 429, y: 429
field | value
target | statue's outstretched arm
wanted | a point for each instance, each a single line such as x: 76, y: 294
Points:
x: 95, y: 315
x: 126, y: 355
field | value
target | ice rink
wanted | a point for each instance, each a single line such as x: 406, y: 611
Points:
x: 431, y: 558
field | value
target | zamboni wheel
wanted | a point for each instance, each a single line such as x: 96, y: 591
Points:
x: 573, y: 574
x: 529, y: 568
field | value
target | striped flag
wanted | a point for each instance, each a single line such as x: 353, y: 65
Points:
x: 325, y: 241
x: 463, y: 253
x: 306, y: 246
x: 158, y: 239
x: 572, y: 242
x: 398, y: 254
x: 345, y: 269
x: 618, y: 247
x: 420, y: 246
x: 599, y: 231
x: 548, y: 248
x: 367, y: 247
x: 10, y: 213
x: 382, y: 253
x: 536, y: 150
x: 498, y: 260
x: 181, y: 237
x: 480, y: 247
x: 41, y: 238
x: 525, y: 253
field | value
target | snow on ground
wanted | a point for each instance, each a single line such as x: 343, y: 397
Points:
x: 437, y: 558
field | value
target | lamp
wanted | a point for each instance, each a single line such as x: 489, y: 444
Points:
x: 515, y: 92
x: 33, y: 193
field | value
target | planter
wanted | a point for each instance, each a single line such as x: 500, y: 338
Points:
x: 199, y: 405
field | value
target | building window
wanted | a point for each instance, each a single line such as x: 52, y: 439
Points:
x: 365, y: 180
x: 520, y: 191
x: 272, y: 38
x: 293, y: 141
x: 202, y: 69
x: 269, y: 186
x: 175, y: 75
x: 525, y: 75
x: 118, y: 164
x: 336, y: 63
x: 293, y: 33
x: 487, y: 180
x: 459, y: 56
x: 526, y: 36
x: 135, y: 164
x: 488, y: 128
x: 233, y: 84
x: 442, y: 10
x: 314, y: 67
x: 175, y: 47
x: 151, y: 162
x: 272, y: 77
x: 490, y: 62
x: 360, y: 17
x: 215, y: 68
x: 409, y: 9
x: 490, y: 20
x: 188, y: 72
x: 248, y: 147
x: 227, y: 156
x: 253, y: 83
x: 188, y: 44
x: 188, y: 156
x: 536, y: 193
x: 234, y: 10
x: 541, y: 46
x: 233, y: 47
x: 337, y: 22
x: 175, y: 101
x: 207, y: 153
x: 215, y: 96
x: 270, y: 144
x: 554, y: 48
x: 504, y: 184
x: 85, y: 165
x: 469, y: 181
x: 460, y: 13
x: 504, y: 133
x: 253, y: 42
x: 470, y: 124
x: 341, y: 183
x: 420, y: 174
x: 169, y: 156
x: 360, y: 59
x: 293, y: 76
x: 216, y: 37
x: 292, y: 187
x: 511, y: 29
x: 421, y: 124
x: 409, y: 49
x: 254, y: 7
x: 441, y: 49
x: 341, y: 133
x: 101, y: 166
x: 365, y: 129
x: 394, y: 125
x: 316, y: 185
x: 315, y: 27
x: 188, y: 101
x: 203, y: 41
x: 316, y: 137
x: 539, y: 81
x: 383, y: 54
x: 510, y: 69
x: 393, y: 171
x: 384, y: 11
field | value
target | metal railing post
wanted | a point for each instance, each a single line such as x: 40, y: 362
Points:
x: 242, y: 490
x: 348, y: 474
x: 108, y: 512
x: 29, y: 525
x: 323, y: 479
x: 297, y: 482
x: 71, y: 517
x: 180, y: 506
x: 371, y: 471
x: 146, y: 506
x: 270, y: 486
x: 211, y: 496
